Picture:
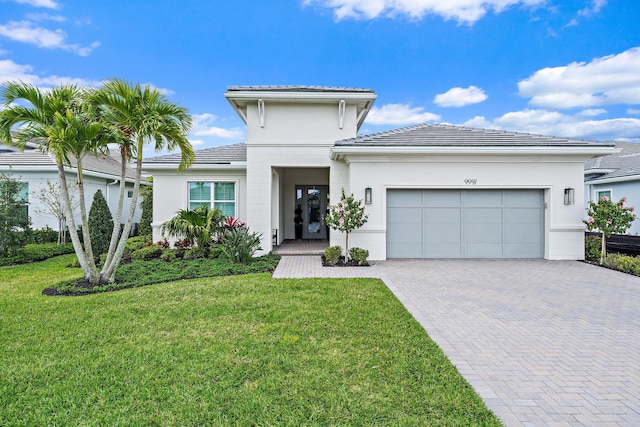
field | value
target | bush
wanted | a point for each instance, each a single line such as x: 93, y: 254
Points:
x: 147, y: 253
x: 215, y: 251
x: 100, y: 225
x: 45, y: 235
x: 195, y: 253
x: 359, y: 255
x: 36, y: 252
x: 332, y: 255
x: 135, y: 243
x: 592, y: 248
x: 624, y: 263
x: 169, y: 255
x: 239, y: 245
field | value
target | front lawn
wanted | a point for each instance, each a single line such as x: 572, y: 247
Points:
x: 233, y: 350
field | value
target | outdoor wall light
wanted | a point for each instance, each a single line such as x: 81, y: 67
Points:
x: 569, y: 196
x: 367, y: 196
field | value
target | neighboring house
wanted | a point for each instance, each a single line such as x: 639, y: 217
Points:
x: 433, y: 191
x: 34, y: 168
x: 615, y: 176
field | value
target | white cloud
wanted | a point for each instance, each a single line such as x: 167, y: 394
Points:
x: 554, y: 123
x: 596, y: 7
x: 196, y: 142
x: 10, y: 71
x: 592, y: 112
x: 203, y: 126
x: 49, y: 4
x: 463, y: 11
x: 399, y: 114
x: 634, y: 111
x: 46, y: 17
x: 612, y: 79
x: 459, y: 97
x: 27, y: 32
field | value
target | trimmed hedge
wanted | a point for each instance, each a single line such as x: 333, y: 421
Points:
x: 37, y: 252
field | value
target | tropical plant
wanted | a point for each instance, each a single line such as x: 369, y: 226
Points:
x: 359, y: 255
x: 100, y: 224
x: 202, y: 225
x: 59, y: 120
x: 15, y: 225
x: 609, y: 217
x: 346, y: 216
x: 141, y: 115
x: 239, y: 245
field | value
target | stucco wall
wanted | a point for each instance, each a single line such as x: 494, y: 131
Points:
x: 563, y: 223
x: 628, y: 189
x: 38, y: 181
x: 172, y: 192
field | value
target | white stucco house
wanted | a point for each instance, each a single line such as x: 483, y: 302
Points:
x: 431, y: 191
x: 34, y: 169
x: 616, y: 176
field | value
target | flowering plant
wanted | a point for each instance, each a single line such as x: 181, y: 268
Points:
x: 609, y: 217
x: 346, y: 216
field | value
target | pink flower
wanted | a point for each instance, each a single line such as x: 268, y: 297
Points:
x: 605, y: 198
x: 341, y: 221
x: 590, y: 219
x: 632, y: 208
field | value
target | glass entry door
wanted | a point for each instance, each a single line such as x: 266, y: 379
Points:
x: 311, y: 207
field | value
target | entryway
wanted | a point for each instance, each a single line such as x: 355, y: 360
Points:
x: 311, y: 208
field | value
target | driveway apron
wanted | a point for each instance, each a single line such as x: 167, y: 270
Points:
x: 542, y: 342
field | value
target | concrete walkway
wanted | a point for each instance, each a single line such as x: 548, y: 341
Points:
x: 544, y: 343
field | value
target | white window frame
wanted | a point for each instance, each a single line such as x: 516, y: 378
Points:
x: 597, y: 196
x: 212, y: 199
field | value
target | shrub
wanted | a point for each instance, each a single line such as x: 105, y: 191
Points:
x: 146, y: 253
x: 592, y: 248
x: 183, y: 243
x: 36, y: 252
x: 359, y: 255
x: 332, y: 255
x: 146, y: 192
x: 169, y: 255
x: 239, y: 245
x: 15, y: 224
x: 135, y: 243
x: 100, y: 224
x: 195, y: 253
x: 214, y: 252
x: 625, y: 263
x: 45, y: 235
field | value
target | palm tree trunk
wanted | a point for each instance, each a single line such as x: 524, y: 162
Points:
x: 93, y: 276
x: 110, y: 271
x: 116, y: 224
x: 73, y: 231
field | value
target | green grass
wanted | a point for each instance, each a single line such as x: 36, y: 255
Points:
x: 234, y: 350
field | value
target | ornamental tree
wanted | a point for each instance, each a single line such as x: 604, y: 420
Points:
x: 609, y: 217
x: 346, y: 216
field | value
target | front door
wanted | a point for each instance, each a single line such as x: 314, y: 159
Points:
x: 311, y: 207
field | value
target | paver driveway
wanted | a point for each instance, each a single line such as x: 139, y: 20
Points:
x: 543, y: 342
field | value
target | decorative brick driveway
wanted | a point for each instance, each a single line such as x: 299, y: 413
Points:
x: 543, y: 342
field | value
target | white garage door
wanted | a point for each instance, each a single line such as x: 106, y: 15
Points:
x: 465, y: 224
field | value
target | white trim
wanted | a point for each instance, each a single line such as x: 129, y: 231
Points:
x: 198, y: 166
x: 626, y: 178
x: 602, y: 190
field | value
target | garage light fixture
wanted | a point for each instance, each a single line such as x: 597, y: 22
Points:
x: 569, y: 196
x: 367, y: 196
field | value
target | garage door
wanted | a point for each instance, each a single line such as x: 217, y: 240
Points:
x: 465, y: 224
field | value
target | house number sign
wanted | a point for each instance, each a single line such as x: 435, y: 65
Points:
x: 471, y: 181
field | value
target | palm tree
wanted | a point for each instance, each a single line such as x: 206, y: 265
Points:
x: 201, y: 225
x: 66, y: 130
x: 142, y: 115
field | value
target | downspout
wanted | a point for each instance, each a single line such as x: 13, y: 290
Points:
x: 109, y: 184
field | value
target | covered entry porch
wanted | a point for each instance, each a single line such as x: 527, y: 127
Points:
x: 300, y: 199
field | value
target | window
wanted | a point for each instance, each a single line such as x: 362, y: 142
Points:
x: 603, y: 193
x: 215, y: 195
x: 129, y: 194
x: 23, y: 196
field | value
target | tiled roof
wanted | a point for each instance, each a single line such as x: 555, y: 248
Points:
x: 109, y: 164
x: 293, y: 88
x: 622, y: 164
x: 216, y: 155
x: 448, y: 135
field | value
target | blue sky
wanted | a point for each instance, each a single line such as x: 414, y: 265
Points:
x: 556, y: 67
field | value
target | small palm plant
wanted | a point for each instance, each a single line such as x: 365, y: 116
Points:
x: 201, y: 225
